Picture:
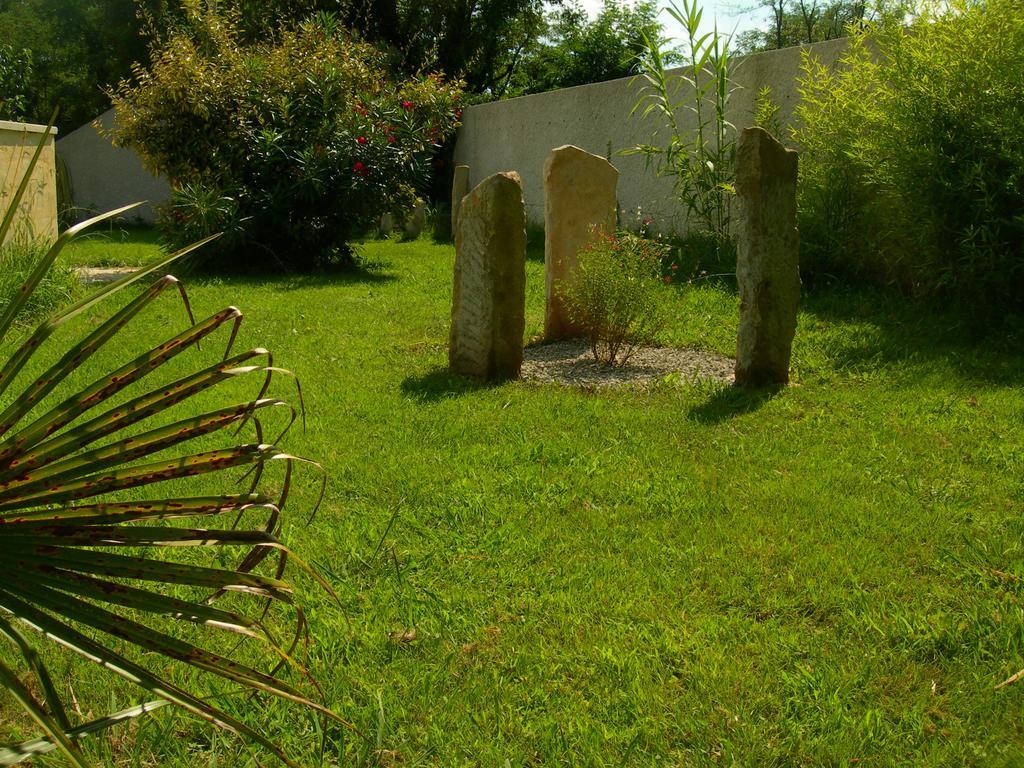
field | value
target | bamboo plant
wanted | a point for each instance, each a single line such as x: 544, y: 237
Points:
x: 698, y: 154
x: 86, y: 533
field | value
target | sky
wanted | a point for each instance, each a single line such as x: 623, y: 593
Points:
x: 740, y: 15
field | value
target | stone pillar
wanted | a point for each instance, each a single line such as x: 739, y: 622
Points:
x: 387, y: 225
x: 415, y: 221
x: 767, y: 263
x: 460, y: 188
x: 489, y: 301
x: 579, y: 197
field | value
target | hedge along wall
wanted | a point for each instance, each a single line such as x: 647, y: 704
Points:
x: 37, y: 215
x: 516, y: 135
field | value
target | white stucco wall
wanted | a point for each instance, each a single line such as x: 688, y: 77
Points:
x: 104, y: 177
x: 517, y: 134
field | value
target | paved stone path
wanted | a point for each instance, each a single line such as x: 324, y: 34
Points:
x: 97, y: 275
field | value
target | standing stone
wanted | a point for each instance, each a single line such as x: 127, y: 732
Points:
x: 414, y: 223
x: 387, y: 225
x: 579, y: 200
x: 489, y: 303
x: 767, y: 266
x: 460, y: 188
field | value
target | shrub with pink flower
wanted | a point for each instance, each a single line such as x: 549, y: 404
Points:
x: 289, y: 147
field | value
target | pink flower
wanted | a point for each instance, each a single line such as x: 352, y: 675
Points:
x: 458, y: 114
x: 360, y: 140
x: 391, y: 138
x: 406, y: 105
x: 667, y: 279
x: 360, y: 169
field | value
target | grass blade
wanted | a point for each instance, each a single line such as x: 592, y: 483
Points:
x: 134, y: 673
x: 12, y: 755
x: 51, y: 728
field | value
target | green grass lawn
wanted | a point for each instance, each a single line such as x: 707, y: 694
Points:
x: 113, y: 247
x: 670, y: 576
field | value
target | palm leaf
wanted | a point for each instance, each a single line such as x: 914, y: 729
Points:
x: 75, y: 544
x: 14, y: 754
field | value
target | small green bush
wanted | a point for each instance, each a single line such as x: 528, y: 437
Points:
x: 614, y: 294
x: 912, y: 170
x: 289, y: 147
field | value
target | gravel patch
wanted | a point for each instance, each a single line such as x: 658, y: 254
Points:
x: 97, y: 275
x: 572, y: 364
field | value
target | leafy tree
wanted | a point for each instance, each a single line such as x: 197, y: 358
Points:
x: 15, y: 79
x: 574, y: 50
x: 793, y: 22
x: 77, y: 48
x: 478, y: 41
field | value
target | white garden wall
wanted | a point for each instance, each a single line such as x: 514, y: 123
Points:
x: 104, y: 177
x: 517, y: 134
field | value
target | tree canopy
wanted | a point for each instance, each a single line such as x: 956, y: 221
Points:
x: 573, y: 50
x: 795, y: 22
x: 63, y: 53
x: 69, y: 53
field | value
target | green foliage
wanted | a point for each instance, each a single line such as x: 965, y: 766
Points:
x: 614, y: 295
x: 655, y: 576
x: 913, y: 167
x: 15, y: 83
x: 700, y: 160
x: 793, y: 22
x: 479, y: 42
x: 82, y: 449
x: 289, y: 147
x: 766, y: 113
x: 77, y: 48
x: 18, y: 258
x: 575, y: 50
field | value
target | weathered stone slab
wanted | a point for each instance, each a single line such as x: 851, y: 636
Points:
x: 415, y: 221
x: 489, y: 301
x: 387, y: 225
x: 579, y: 200
x: 767, y: 266
x: 460, y: 188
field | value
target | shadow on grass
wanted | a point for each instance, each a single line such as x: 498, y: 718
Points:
x: 727, y: 402
x: 364, y: 273
x: 978, y: 345
x: 441, y: 384
x: 535, y: 243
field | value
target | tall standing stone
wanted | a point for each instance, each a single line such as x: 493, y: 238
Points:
x: 489, y: 302
x: 579, y: 199
x: 415, y: 221
x: 767, y: 266
x: 460, y: 188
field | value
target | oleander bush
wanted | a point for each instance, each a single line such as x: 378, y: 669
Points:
x: 289, y: 147
x: 613, y: 296
x: 912, y: 171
